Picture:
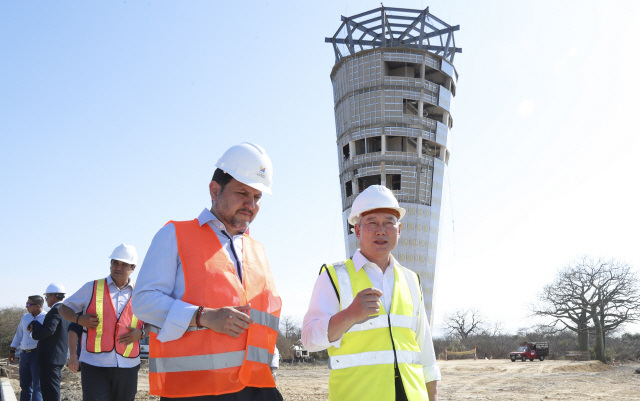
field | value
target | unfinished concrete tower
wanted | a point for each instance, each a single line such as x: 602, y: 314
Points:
x: 393, y: 88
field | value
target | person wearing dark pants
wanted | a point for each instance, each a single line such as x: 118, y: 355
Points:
x: 110, y: 355
x: 29, y: 368
x: 52, y: 336
x: 112, y: 384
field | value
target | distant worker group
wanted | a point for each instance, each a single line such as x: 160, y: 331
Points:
x: 207, y: 299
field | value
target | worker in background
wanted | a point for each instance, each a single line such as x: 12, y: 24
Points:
x: 110, y: 356
x: 52, y: 343
x: 29, y: 369
x: 368, y: 312
x: 208, y: 289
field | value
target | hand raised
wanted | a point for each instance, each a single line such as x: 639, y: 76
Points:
x: 365, y: 304
x: 89, y: 320
x: 229, y: 320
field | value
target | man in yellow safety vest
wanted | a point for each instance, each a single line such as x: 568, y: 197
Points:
x: 110, y: 356
x: 368, y: 312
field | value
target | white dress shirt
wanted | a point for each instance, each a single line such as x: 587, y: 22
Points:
x: 79, y: 302
x: 23, y: 337
x: 157, y: 298
x: 324, y: 304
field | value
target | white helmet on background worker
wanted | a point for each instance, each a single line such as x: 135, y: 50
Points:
x: 374, y: 197
x: 249, y: 164
x: 55, y: 288
x: 125, y: 253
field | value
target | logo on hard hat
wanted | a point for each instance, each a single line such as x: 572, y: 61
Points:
x: 261, y: 172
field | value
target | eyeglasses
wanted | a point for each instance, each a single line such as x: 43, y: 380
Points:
x: 28, y: 304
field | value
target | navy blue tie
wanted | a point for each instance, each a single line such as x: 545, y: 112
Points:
x: 235, y: 255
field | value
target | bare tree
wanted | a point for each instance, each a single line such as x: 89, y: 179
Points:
x: 593, y: 295
x: 462, y: 323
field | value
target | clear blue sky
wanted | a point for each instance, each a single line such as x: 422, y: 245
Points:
x: 113, y: 114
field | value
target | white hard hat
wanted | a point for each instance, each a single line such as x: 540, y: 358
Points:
x: 374, y: 197
x: 125, y: 253
x: 55, y: 288
x: 249, y: 164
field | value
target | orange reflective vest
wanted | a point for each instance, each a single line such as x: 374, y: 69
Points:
x: 105, y: 337
x: 203, y: 362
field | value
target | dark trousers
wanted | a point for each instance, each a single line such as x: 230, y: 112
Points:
x: 50, y: 381
x: 109, y: 384
x: 29, y: 377
x: 246, y: 394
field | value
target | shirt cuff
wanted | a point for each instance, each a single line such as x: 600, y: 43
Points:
x: 431, y: 373
x: 177, y: 321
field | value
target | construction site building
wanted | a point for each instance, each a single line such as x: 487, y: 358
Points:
x: 393, y: 85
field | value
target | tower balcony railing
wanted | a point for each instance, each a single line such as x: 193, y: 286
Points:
x: 389, y: 156
x: 413, y: 83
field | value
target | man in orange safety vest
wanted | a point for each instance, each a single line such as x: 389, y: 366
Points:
x: 206, y: 287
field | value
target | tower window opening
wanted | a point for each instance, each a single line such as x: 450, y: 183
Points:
x: 346, y: 152
x: 348, y: 188
x: 368, y: 145
x: 402, y: 144
x: 410, y: 107
x: 429, y: 149
x: 367, y: 181
x: 350, y: 229
x: 402, y: 69
x: 393, y: 181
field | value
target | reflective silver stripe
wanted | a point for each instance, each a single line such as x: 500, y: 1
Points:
x: 412, y: 357
x: 157, y: 330
x: 196, y: 362
x: 412, y: 282
x: 265, y: 319
x: 379, y: 322
x: 373, y: 358
x: 260, y: 355
x: 346, y: 293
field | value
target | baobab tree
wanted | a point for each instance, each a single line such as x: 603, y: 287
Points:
x: 591, y: 294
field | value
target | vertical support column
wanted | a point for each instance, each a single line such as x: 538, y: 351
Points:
x: 419, y: 149
x: 383, y: 175
x: 384, y: 145
x: 352, y: 149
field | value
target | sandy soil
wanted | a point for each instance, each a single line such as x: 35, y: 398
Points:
x: 461, y: 380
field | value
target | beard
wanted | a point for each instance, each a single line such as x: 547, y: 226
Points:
x: 232, y: 218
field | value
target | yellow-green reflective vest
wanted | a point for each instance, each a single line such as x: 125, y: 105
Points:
x: 363, y: 367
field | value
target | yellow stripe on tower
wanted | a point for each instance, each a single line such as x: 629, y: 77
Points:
x: 100, y: 313
x: 127, y: 351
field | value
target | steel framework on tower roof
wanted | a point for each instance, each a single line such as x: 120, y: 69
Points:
x: 395, y: 27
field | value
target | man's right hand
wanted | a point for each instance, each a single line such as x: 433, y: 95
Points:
x: 229, y: 320
x: 12, y: 358
x: 365, y: 304
x: 89, y: 320
x: 73, y: 364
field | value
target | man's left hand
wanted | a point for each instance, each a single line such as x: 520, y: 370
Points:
x: 132, y: 336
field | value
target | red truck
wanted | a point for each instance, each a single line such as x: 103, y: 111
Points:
x: 530, y: 351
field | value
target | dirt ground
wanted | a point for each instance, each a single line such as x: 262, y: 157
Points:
x: 461, y: 380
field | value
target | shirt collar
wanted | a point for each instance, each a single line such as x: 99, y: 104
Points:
x: 206, y: 216
x: 110, y: 281
x: 59, y: 302
x: 359, y: 261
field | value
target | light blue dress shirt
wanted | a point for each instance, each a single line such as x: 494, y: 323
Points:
x: 79, y: 302
x: 157, y: 298
x: 23, y: 337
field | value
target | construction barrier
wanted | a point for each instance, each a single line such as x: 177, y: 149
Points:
x: 471, y: 352
x: 6, y: 391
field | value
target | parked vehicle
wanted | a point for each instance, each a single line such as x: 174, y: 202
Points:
x: 530, y: 351
x: 144, y: 348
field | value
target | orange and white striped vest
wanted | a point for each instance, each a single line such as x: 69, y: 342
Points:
x: 203, y: 362
x: 105, y: 337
